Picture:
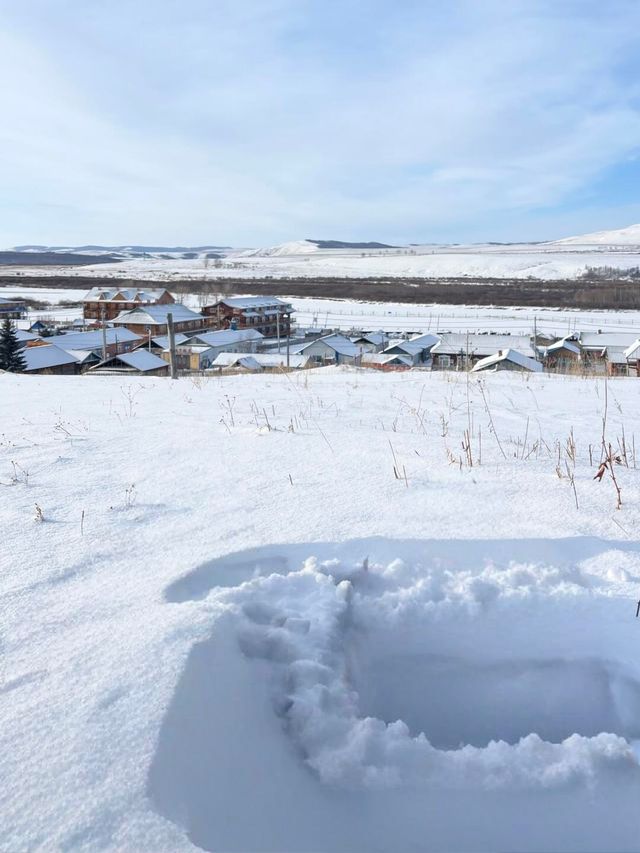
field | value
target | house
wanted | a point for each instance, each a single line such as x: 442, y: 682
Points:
x: 198, y: 352
x: 507, y: 359
x: 138, y: 363
x: 259, y: 361
x: 267, y: 314
x: 371, y: 342
x: 107, y: 302
x: 604, y: 352
x: 12, y: 309
x: 386, y: 361
x: 331, y: 349
x: 152, y: 320
x: 418, y: 348
x: 117, y: 341
x: 561, y: 356
x: 49, y: 359
x: 460, y: 351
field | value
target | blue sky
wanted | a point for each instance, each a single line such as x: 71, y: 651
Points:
x: 249, y: 122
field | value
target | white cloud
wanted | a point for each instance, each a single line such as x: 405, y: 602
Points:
x: 255, y: 122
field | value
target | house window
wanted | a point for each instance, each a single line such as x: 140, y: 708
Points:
x: 444, y: 360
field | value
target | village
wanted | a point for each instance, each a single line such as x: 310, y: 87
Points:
x: 144, y: 331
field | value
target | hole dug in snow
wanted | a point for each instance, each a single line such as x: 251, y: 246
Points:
x: 456, y: 702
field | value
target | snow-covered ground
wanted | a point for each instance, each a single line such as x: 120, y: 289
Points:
x: 390, y: 316
x: 237, y: 628
x: 301, y: 259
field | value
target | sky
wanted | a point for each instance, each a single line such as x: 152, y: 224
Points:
x: 254, y: 122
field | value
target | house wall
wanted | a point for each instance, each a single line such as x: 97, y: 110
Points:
x: 56, y: 370
x: 161, y: 329
x: 244, y: 319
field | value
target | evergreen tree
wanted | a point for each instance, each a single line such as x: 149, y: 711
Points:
x: 11, y: 357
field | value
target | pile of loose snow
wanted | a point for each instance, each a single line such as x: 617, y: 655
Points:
x: 235, y: 629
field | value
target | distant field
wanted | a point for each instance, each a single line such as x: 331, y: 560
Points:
x: 563, y: 293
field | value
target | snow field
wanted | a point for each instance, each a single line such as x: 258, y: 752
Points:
x: 257, y: 637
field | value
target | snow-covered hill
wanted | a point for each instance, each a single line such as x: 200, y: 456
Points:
x: 301, y: 651
x: 563, y: 259
x: 629, y: 236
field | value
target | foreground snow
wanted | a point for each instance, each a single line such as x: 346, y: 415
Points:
x: 238, y: 629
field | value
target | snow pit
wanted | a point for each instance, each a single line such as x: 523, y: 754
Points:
x: 438, y: 677
x: 456, y: 702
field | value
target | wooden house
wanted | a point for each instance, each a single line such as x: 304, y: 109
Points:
x: 561, y: 356
x: 461, y: 351
x: 151, y: 322
x: 108, y: 302
x: 331, y: 349
x: 266, y: 314
x: 418, y: 348
x: 507, y: 359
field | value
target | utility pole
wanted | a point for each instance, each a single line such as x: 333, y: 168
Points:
x: 288, y: 339
x: 172, y: 346
x: 104, y: 333
x: 278, y: 327
x: 535, y: 337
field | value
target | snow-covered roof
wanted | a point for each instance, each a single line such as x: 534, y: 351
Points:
x: 81, y: 355
x: 162, y: 341
x: 455, y: 343
x: 228, y: 359
x: 46, y: 355
x: 23, y: 336
x: 633, y: 351
x: 255, y: 302
x: 93, y: 340
x: 237, y: 359
x: 416, y: 345
x: 375, y: 338
x: 604, y: 340
x: 563, y: 343
x: 338, y: 343
x: 225, y: 337
x: 508, y: 355
x: 386, y: 358
x: 140, y: 359
x: 156, y: 315
x: 124, y: 294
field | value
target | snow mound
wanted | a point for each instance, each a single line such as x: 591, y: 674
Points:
x: 629, y: 236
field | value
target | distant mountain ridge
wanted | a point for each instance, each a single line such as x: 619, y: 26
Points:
x: 124, y: 248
